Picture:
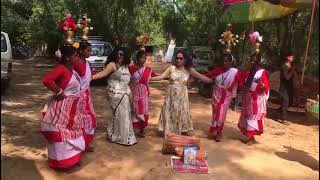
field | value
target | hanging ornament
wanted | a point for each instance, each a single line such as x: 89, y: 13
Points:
x: 68, y: 26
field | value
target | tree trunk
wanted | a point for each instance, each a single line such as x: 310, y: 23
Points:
x: 283, y: 30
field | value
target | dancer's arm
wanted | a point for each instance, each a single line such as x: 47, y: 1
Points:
x: 49, y: 80
x: 164, y: 75
x: 213, y: 73
x: 263, y: 83
x: 154, y: 74
x: 111, y: 67
x: 197, y: 75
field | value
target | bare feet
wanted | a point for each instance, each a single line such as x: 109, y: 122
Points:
x: 218, y: 137
x: 212, y: 135
x: 142, y: 133
x: 251, y: 141
x: 90, y: 149
x: 284, y: 122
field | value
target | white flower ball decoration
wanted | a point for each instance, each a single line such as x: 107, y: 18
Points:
x: 58, y: 54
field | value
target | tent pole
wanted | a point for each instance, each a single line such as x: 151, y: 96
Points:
x: 308, y: 41
x: 252, y: 21
x: 252, y: 26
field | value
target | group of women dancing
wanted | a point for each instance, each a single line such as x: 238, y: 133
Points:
x: 69, y: 119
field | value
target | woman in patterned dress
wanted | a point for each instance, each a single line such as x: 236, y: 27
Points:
x: 175, y: 114
x: 120, y: 129
x: 140, y: 76
x: 254, y: 100
x: 60, y: 114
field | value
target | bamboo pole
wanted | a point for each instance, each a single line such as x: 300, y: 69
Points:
x: 252, y: 26
x: 243, y: 47
x: 252, y: 21
x: 308, y: 41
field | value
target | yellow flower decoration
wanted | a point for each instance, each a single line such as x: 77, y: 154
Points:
x: 76, y: 45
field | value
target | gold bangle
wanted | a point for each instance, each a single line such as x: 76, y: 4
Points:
x: 59, y: 92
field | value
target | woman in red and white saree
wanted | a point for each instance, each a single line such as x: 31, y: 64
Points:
x: 86, y: 109
x: 139, y: 84
x: 60, y: 114
x: 224, y: 90
x: 254, y: 100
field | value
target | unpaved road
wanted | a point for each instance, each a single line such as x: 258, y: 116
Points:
x: 283, y: 152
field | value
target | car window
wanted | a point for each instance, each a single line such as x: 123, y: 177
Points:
x: 107, y: 49
x: 204, y: 55
x: 3, y: 43
x: 97, y: 49
x: 101, y: 49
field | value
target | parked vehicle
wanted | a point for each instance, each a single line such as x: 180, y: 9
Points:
x: 6, y: 61
x: 202, y: 58
x: 21, y: 52
x: 203, y: 62
x: 100, y: 51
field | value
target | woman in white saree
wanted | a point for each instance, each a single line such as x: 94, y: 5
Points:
x: 120, y: 129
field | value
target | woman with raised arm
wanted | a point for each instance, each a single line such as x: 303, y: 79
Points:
x: 61, y: 119
x: 175, y: 114
x: 120, y: 129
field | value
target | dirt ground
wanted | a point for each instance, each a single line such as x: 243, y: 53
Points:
x: 283, y: 152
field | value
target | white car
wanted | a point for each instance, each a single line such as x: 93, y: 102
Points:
x: 6, y: 61
x: 99, y: 54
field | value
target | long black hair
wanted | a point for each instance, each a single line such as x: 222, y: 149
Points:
x: 66, y: 52
x: 187, y: 59
x: 139, y: 55
x: 228, y: 56
x: 256, y: 57
x: 113, y: 57
x: 83, y: 45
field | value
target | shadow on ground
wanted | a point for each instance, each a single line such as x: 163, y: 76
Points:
x: 299, y: 156
x: 23, y: 169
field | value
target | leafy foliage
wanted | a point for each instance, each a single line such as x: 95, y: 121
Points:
x: 190, y: 22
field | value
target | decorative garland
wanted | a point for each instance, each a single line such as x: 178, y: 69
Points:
x: 255, y: 39
x: 228, y: 39
x: 142, y: 40
x: 68, y: 26
x: 83, y: 23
